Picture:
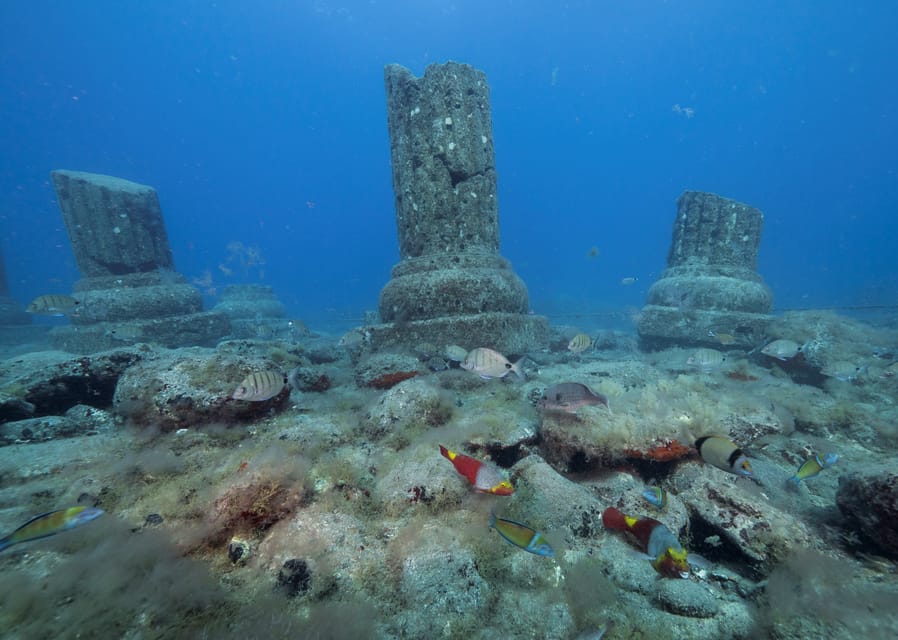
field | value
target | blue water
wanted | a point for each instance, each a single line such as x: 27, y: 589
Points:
x: 265, y: 123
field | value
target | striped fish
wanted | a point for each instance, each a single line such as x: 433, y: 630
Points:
x: 579, y: 343
x: 522, y: 536
x: 52, y: 305
x: 260, y: 386
x: 48, y: 524
x: 488, y: 363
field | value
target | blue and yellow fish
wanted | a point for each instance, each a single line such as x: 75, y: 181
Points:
x: 814, y: 465
x: 48, y: 524
x: 656, y: 496
x: 522, y: 536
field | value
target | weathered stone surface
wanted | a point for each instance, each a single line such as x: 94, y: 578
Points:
x: 191, y: 388
x: 52, y: 382
x: 447, y: 218
x: 255, y: 312
x: 710, y: 286
x: 121, y: 247
x: 869, y: 503
x: 115, y: 225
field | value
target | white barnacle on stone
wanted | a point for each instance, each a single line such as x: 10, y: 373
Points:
x: 415, y: 111
x: 116, y: 230
x: 745, y: 238
x: 123, y: 215
x: 483, y: 139
x: 472, y: 194
x: 451, y: 146
x: 448, y: 121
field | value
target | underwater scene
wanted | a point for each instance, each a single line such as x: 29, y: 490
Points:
x: 399, y: 320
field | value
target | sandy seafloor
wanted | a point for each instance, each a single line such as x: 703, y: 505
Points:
x: 329, y: 512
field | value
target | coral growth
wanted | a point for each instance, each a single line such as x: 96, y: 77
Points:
x: 252, y: 509
x: 389, y: 380
x: 664, y: 452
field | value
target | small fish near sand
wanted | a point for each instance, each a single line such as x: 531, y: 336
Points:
x: 570, y: 396
x: 260, y: 386
x: 488, y: 363
x: 812, y: 466
x: 522, y: 536
x: 706, y: 360
x: 53, y: 305
x: 483, y: 476
x: 667, y: 555
x: 579, y: 343
x: 724, y: 454
x: 48, y: 524
x: 782, y: 349
x: 724, y: 339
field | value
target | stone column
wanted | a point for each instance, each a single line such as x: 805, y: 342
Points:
x: 130, y: 291
x: 710, y: 294
x: 451, y: 285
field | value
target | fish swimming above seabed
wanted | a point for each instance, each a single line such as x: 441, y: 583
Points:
x: 48, y: 524
x: 522, y: 536
x: 814, y: 465
x: 667, y: 555
x: 724, y: 454
x: 53, y: 305
x: 483, y: 476
x: 570, y: 396
x: 782, y: 349
x: 488, y: 363
x: 655, y: 496
x: 707, y: 360
x: 260, y: 386
x: 579, y: 343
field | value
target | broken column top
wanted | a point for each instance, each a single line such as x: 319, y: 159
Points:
x: 115, y: 225
x: 712, y: 230
x: 444, y: 168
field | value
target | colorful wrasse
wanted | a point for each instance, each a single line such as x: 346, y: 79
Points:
x: 667, y: 554
x: 724, y: 454
x: 655, y: 496
x: 48, y: 524
x: 814, y: 465
x: 522, y: 536
x: 484, y: 477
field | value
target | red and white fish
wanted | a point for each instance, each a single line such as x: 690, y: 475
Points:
x: 485, y: 477
x: 666, y: 553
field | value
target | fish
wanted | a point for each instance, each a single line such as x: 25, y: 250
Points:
x: 53, y: 304
x: 724, y: 454
x: 579, y: 343
x: 782, y: 349
x: 51, y: 523
x: 667, y: 555
x: 722, y: 338
x: 890, y: 371
x: 483, y: 476
x: 354, y: 338
x: 845, y: 371
x: 488, y: 363
x: 593, y: 252
x: 455, y: 353
x: 707, y: 360
x: 655, y: 496
x: 522, y: 536
x: 814, y: 465
x: 570, y: 396
x: 260, y: 386
x: 629, y: 280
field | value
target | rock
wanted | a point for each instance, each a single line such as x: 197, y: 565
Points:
x: 414, y: 402
x: 312, y: 379
x: 53, y: 382
x: 384, y: 370
x: 190, y: 388
x: 39, y: 429
x: 685, y: 598
x: 294, y: 578
x: 869, y: 503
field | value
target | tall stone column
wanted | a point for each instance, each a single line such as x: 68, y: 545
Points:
x: 710, y: 294
x: 451, y: 285
x: 130, y: 291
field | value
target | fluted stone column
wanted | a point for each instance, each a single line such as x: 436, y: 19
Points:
x: 451, y: 284
x: 710, y: 290
x: 130, y: 291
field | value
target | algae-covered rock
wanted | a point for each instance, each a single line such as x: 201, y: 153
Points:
x: 869, y: 503
x: 191, y: 388
x: 415, y: 402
